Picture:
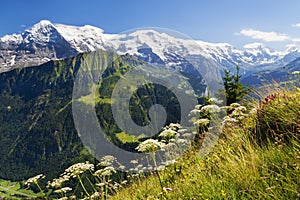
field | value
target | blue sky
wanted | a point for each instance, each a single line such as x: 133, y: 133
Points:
x: 238, y: 22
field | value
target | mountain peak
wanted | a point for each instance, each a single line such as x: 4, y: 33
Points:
x: 44, y: 22
x: 292, y: 48
x: 41, y: 27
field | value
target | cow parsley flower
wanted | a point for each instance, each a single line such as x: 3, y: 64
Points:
x: 57, y: 182
x: 168, y: 134
x: 202, y: 122
x: 63, y: 190
x: 107, y: 171
x: 174, y: 126
x: 210, y: 109
x: 79, y: 168
x: 134, y: 161
x: 34, y: 179
x: 149, y: 146
x: 107, y: 160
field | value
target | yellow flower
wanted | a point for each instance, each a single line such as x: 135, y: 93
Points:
x: 223, y: 193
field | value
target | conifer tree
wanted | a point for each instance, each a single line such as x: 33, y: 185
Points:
x: 234, y: 90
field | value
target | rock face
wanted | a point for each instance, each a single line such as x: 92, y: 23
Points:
x: 37, y: 45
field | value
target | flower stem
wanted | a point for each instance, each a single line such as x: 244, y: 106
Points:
x: 156, y: 170
x: 40, y: 188
x: 83, y: 185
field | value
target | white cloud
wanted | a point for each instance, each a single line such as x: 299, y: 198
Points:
x: 295, y: 39
x: 265, y: 36
x: 296, y: 25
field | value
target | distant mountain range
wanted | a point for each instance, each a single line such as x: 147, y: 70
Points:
x: 46, y: 41
x: 281, y: 75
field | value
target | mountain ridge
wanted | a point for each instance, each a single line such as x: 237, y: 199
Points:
x: 46, y: 41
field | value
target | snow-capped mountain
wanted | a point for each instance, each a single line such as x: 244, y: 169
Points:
x: 47, y: 41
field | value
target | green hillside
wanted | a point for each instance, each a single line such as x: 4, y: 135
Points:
x: 37, y: 132
x: 257, y: 156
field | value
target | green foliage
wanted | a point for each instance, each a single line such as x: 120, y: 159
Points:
x: 278, y: 117
x: 237, y: 168
x: 234, y: 90
x: 37, y: 132
x: 14, y: 190
x: 37, y: 99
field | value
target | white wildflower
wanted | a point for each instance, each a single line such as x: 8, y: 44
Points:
x: 241, y: 108
x: 197, y: 107
x: 134, y: 161
x: 107, y: 160
x: 182, y: 131
x: 295, y: 72
x: 57, y: 182
x: 253, y: 111
x: 182, y: 141
x: 96, y: 195
x: 34, y: 179
x: 194, y: 112
x: 63, y: 198
x: 121, y: 167
x: 214, y: 101
x: 161, y: 167
x: 107, y: 171
x: 139, y: 166
x: 66, y: 189
x: 168, y: 134
x: 239, y: 111
x: 233, y: 106
x: 172, y: 140
x: 228, y: 119
x: 79, y: 168
x: 150, y: 145
x: 63, y: 190
x: 170, y: 162
x: 209, y: 109
x: 169, y: 145
x: 174, y: 126
x: 202, y: 122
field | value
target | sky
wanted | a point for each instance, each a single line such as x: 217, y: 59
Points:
x: 238, y: 22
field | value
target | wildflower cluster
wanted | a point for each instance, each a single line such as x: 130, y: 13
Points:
x: 107, y: 160
x: 202, y: 116
x: 267, y: 100
x: 276, y: 114
x: 170, y: 143
x: 236, y: 114
x: 170, y: 133
x: 78, y: 168
x: 34, y: 180
x: 100, y: 180
x: 107, y: 171
x: 149, y: 146
x: 71, y: 172
x: 63, y: 190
